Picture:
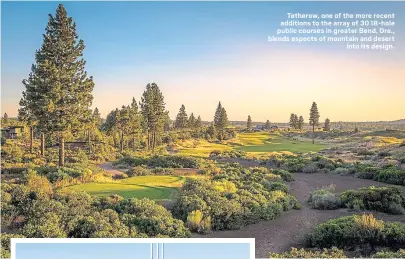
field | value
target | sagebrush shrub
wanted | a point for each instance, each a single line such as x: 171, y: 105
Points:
x: 302, y: 253
x: 324, y: 199
x: 358, y: 231
x: 342, y: 170
x: 389, y: 254
x: 309, y: 169
x: 384, y: 199
x: 287, y: 176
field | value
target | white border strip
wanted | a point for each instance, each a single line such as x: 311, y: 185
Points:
x: 14, y: 241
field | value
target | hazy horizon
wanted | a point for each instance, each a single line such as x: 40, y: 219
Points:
x: 200, y: 53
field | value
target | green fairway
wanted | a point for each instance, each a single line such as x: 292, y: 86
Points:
x: 264, y: 142
x: 203, y: 149
x: 152, y: 187
x: 255, y: 143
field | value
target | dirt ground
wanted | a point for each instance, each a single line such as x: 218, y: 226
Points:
x: 107, y: 166
x: 290, y: 228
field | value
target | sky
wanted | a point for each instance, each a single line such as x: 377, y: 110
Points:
x: 131, y: 251
x: 200, y: 53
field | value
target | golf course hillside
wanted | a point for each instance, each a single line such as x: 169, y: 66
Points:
x: 254, y: 143
x: 264, y: 142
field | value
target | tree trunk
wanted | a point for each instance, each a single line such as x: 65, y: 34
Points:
x: 42, y: 144
x: 133, y: 142
x: 31, y: 138
x: 122, y: 141
x: 61, y: 150
x: 147, y: 141
x: 153, y: 142
x: 89, y: 141
x: 313, y: 134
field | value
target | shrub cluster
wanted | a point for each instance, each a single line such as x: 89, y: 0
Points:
x: 389, y: 174
x: 384, y: 199
x: 294, y: 164
x: 298, y: 164
x: 160, y: 161
x: 228, y: 154
x: 37, y: 211
x: 389, y: 254
x: 358, y: 232
x: 234, y: 198
x: 303, y: 253
x: 65, y: 174
x: 285, y: 175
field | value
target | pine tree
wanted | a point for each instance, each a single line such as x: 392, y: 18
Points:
x: 153, y: 113
x: 326, y: 126
x: 167, y: 121
x: 97, y: 117
x: 293, y: 121
x: 217, y: 116
x: 191, y: 121
x: 211, y: 131
x: 134, y: 121
x: 249, y: 123
x: 198, y: 123
x: 223, y: 123
x: 58, y: 90
x: 267, y: 126
x: 300, y: 123
x: 26, y: 115
x: 223, y: 119
x: 5, y: 117
x: 181, y: 118
x: 314, y: 119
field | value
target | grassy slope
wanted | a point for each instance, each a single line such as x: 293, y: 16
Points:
x: 255, y: 143
x: 152, y: 187
x: 263, y: 142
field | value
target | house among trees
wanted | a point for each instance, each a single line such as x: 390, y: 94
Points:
x: 273, y: 128
x: 12, y: 132
x: 259, y: 128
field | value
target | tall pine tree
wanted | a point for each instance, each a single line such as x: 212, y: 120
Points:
x: 300, y: 123
x: 293, y: 123
x: 217, y: 116
x: 191, y: 121
x: 326, y: 126
x: 58, y: 90
x: 26, y: 115
x: 314, y: 119
x: 5, y: 117
x: 223, y: 123
x: 134, y: 121
x: 181, y: 118
x: 97, y: 117
x: 153, y: 114
x: 267, y: 125
x: 249, y: 123
x: 198, y: 123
